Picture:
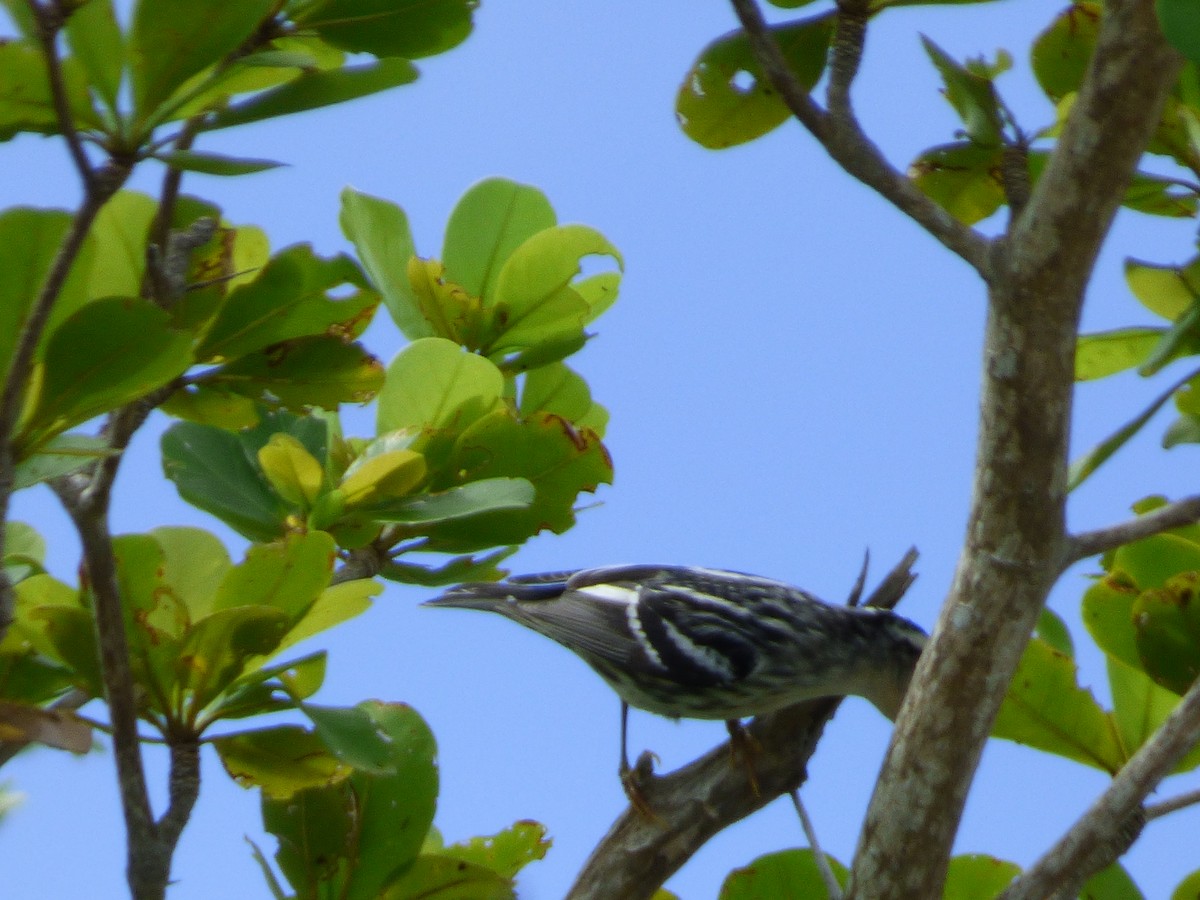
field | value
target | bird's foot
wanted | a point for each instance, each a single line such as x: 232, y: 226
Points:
x: 636, y: 780
x: 744, y: 746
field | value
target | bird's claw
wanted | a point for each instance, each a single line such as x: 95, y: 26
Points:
x: 635, y: 780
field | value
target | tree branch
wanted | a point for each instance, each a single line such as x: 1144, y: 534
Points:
x: 1105, y: 824
x: 697, y: 801
x: 1016, y: 537
x: 849, y: 37
x: 50, y: 20
x: 1173, y: 515
x: 849, y: 146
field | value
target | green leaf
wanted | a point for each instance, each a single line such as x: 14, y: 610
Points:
x: 961, y: 178
x: 214, y: 163
x: 1053, y: 630
x: 292, y: 297
x: 1157, y: 196
x: 976, y: 876
x: 1167, y: 621
x: 456, y: 571
x: 441, y: 877
x: 213, y: 472
x: 97, y: 43
x: 534, y: 300
x: 1180, y: 21
x: 352, y: 839
x: 1189, y: 888
x: 169, y: 42
x: 218, y: 649
x: 972, y: 96
x: 1108, y: 352
x: 120, y: 233
x: 407, y: 28
x: 108, y: 353
x: 281, y: 761
x: 21, y: 539
x: 1167, y: 291
x: 433, y: 384
x: 312, y: 90
x: 726, y: 100
x: 473, y: 498
x: 491, y: 220
x: 26, y: 103
x: 293, y: 472
x: 380, y: 233
x: 287, y: 575
x: 505, y: 853
x: 1108, y: 616
x: 1140, y: 707
x: 303, y: 373
x: 334, y: 605
x: 212, y: 405
x: 560, y: 460
x: 1046, y: 709
x: 382, y: 477
x: 194, y: 562
x: 30, y: 238
x: 275, y: 688
x: 1082, y: 468
x: 1061, y: 53
x: 784, y: 874
x: 556, y: 389
x: 59, y: 456
x: 1111, y: 883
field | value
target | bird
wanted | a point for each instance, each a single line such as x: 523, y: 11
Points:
x: 699, y: 643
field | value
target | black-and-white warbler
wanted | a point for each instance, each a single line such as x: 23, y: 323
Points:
x: 699, y: 643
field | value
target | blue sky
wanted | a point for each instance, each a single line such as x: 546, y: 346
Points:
x: 792, y: 373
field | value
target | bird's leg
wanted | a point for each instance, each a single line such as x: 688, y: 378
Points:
x: 743, y: 744
x: 635, y: 778
x: 832, y: 887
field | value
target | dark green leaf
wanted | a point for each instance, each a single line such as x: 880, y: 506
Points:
x: 408, y: 28
x: 726, y: 100
x: 26, y: 103
x: 292, y: 297
x: 470, y: 499
x: 169, y: 42
x: 216, y: 650
x: 61, y: 455
x: 214, y: 163
x: 1167, y: 621
x: 1181, y: 24
x: 96, y: 41
x: 1053, y: 630
x: 212, y: 471
x: 312, y: 90
x: 1111, y: 883
x: 108, y: 353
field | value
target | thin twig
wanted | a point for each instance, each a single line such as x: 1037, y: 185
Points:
x: 1106, y: 823
x: 853, y: 150
x: 822, y: 862
x: 50, y: 20
x: 1156, y: 810
x: 1173, y: 515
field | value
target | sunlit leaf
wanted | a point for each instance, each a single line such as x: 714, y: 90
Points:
x: 434, y: 384
x: 287, y: 575
x: 972, y: 96
x: 786, y: 873
x: 380, y: 233
x: 505, y: 853
x: 976, y: 876
x: 437, y: 876
x: 1061, y: 53
x: 281, y: 761
x: 1046, y: 709
x: 964, y: 179
x: 1140, y: 707
x: 1105, y: 353
x: 726, y: 100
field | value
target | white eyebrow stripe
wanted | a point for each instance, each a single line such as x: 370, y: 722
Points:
x: 611, y: 593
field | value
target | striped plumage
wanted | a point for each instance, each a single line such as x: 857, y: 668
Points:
x: 708, y: 644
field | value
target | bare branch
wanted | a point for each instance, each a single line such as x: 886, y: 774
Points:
x: 184, y: 789
x: 1107, y: 822
x: 1156, y: 810
x: 850, y: 147
x: 848, y: 39
x: 697, y: 801
x: 1016, y: 535
x: 1173, y: 515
